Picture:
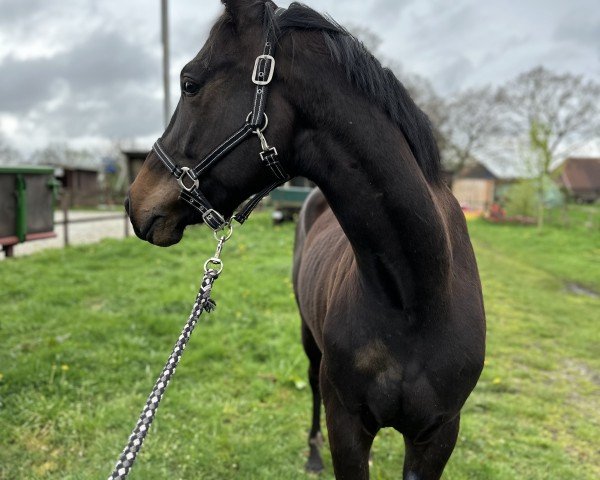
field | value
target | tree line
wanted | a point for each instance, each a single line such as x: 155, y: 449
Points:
x: 537, y: 118
x: 525, y: 126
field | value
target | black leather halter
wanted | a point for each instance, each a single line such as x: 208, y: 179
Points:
x: 256, y: 123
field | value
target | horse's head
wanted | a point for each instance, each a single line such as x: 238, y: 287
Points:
x: 217, y: 93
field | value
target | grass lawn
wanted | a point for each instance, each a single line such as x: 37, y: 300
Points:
x: 85, y: 331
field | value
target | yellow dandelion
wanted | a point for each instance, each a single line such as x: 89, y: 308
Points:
x: 496, y: 381
x: 64, y: 367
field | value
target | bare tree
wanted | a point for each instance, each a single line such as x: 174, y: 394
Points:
x: 426, y: 97
x: 551, y: 113
x: 59, y: 154
x: 471, y: 123
x: 53, y: 154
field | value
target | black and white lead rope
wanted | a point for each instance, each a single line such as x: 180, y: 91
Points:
x: 203, y: 303
x: 255, y: 123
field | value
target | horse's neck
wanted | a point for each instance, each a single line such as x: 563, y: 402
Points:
x: 363, y: 165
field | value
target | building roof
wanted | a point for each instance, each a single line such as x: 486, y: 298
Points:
x: 477, y: 170
x: 135, y: 154
x: 581, y: 174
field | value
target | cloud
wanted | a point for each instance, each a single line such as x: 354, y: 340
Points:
x: 387, y: 12
x: 79, y: 69
x: 16, y: 12
x: 21, y: 85
x: 454, y: 71
x: 129, y: 112
x: 105, y: 85
x: 580, y: 30
x: 95, y: 67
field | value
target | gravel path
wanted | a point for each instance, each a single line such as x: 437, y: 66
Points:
x: 79, y: 233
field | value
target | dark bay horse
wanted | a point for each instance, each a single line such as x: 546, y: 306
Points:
x: 384, y: 273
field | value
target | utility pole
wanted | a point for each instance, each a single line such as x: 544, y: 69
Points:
x: 165, y: 42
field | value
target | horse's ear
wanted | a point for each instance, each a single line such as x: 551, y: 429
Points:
x: 243, y: 11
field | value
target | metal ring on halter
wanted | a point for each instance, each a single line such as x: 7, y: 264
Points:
x: 224, y: 234
x: 216, y: 262
x: 264, y: 126
x: 189, y: 173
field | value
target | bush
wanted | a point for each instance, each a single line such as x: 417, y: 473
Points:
x: 522, y: 199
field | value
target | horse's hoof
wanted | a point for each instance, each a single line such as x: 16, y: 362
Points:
x: 314, y: 466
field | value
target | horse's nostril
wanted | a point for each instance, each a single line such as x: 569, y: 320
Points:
x: 126, y: 204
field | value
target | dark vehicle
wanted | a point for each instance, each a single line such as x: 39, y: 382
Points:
x: 288, y: 199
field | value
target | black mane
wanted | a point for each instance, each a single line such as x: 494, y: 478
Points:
x: 367, y: 74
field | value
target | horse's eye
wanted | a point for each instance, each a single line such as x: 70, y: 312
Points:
x: 189, y: 87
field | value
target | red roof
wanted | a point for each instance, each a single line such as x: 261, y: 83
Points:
x: 478, y: 171
x: 581, y: 174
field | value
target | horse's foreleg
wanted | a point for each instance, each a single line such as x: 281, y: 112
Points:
x: 426, y: 460
x: 349, y: 441
x: 315, y: 438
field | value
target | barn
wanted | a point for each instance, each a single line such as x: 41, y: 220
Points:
x: 475, y: 187
x: 81, y: 183
x: 135, y: 159
x: 580, y: 177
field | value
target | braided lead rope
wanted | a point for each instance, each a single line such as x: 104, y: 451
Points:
x: 203, y: 302
x: 134, y: 445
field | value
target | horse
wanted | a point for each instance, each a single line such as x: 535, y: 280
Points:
x: 384, y: 273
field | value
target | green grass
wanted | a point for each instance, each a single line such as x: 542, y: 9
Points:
x: 85, y: 331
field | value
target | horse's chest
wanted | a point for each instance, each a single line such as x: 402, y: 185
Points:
x: 364, y: 344
x: 366, y: 370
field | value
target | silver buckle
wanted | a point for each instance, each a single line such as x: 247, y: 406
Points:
x: 186, y: 172
x: 268, y: 151
x: 256, y: 73
x: 211, y: 215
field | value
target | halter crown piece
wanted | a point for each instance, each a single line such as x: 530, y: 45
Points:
x: 256, y: 123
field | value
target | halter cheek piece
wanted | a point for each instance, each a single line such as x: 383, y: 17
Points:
x: 255, y: 124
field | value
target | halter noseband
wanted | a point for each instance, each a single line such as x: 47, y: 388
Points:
x: 256, y: 123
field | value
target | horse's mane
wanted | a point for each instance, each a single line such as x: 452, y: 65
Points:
x: 367, y: 74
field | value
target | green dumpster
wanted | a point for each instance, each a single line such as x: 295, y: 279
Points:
x: 27, y: 195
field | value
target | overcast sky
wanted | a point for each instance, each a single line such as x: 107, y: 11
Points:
x: 88, y: 71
